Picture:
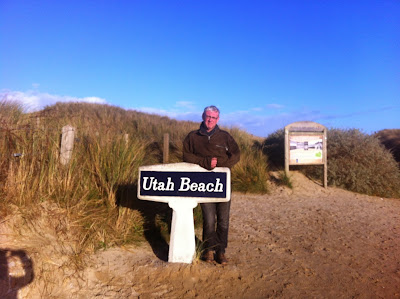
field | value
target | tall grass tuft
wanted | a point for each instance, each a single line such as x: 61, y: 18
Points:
x: 10, y: 113
x: 285, y: 180
x: 250, y: 174
x: 114, y: 163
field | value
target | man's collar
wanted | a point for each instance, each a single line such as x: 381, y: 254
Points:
x: 203, y: 129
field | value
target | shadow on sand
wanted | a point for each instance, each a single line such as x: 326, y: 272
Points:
x: 155, y: 214
x: 16, y: 271
x: 157, y: 219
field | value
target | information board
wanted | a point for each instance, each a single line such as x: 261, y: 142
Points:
x: 305, y: 144
x: 306, y: 149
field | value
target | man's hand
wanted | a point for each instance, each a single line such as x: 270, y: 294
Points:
x: 213, y: 163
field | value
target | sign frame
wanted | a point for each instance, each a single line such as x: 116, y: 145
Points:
x: 187, y: 168
x: 304, y: 139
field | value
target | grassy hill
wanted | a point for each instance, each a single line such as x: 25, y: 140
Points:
x: 96, y: 190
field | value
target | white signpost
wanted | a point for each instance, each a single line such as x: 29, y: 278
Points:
x: 183, y: 186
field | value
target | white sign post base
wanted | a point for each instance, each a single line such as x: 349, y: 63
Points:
x: 182, y: 244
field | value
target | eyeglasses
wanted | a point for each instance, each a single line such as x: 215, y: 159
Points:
x: 211, y: 117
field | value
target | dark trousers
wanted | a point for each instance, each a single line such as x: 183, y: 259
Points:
x: 215, y: 237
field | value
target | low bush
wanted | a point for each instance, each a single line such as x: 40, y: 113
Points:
x: 273, y: 148
x: 358, y: 162
x: 390, y: 138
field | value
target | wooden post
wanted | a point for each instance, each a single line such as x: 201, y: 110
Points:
x: 10, y: 176
x: 287, y: 149
x: 67, y: 144
x: 166, y: 148
x: 126, y: 137
x: 325, y: 150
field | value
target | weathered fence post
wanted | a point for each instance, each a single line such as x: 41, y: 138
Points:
x: 10, y: 175
x: 67, y: 144
x: 166, y: 148
x: 126, y: 137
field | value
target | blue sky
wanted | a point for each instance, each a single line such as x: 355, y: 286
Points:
x: 265, y: 64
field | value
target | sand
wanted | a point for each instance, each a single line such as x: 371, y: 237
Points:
x: 305, y: 242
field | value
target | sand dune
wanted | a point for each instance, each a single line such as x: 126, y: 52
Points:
x: 305, y: 242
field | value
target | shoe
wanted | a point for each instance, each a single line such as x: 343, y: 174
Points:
x: 221, y: 258
x: 208, y: 256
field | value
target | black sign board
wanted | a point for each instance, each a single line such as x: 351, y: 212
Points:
x: 183, y: 180
x: 183, y: 184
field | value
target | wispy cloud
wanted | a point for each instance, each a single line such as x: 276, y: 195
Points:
x: 157, y: 111
x: 275, y: 106
x: 262, y: 124
x: 272, y: 106
x: 361, y: 112
x: 181, y: 110
x: 186, y: 105
x: 33, y: 100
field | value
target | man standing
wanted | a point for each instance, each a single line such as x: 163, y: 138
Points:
x: 210, y: 147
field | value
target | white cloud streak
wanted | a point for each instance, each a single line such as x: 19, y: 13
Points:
x: 182, y: 110
x: 33, y: 100
x: 275, y: 106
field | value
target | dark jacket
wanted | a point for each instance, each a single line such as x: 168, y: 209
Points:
x: 200, y: 146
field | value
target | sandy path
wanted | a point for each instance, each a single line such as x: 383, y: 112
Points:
x: 307, y: 243
x: 334, y: 244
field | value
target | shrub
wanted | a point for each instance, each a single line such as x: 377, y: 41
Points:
x: 358, y: 162
x: 391, y: 140
x: 273, y: 147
